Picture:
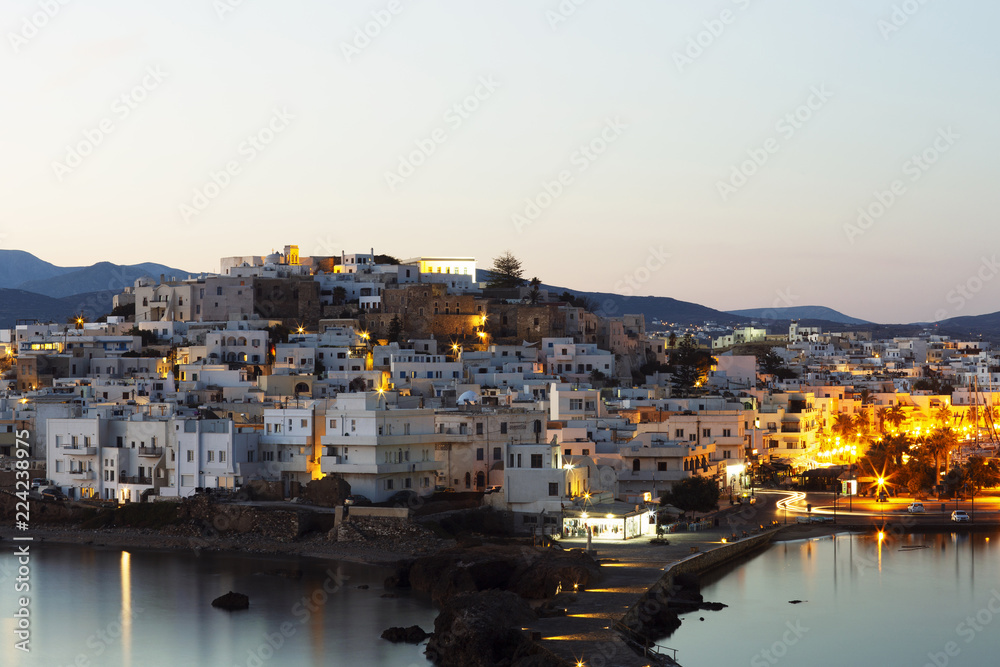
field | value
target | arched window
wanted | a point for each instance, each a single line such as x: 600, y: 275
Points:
x: 468, y: 480
x: 480, y: 480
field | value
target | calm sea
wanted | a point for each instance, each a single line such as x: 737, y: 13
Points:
x: 930, y: 599
x: 109, y: 607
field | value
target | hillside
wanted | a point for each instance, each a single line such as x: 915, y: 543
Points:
x: 99, y: 277
x: 17, y: 266
x: 799, y: 313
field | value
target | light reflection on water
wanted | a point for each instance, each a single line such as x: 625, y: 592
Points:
x: 108, y: 607
x: 903, y: 600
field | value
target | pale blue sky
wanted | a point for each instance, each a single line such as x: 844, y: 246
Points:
x: 779, y: 239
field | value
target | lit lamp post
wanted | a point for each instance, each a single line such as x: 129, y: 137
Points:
x: 881, y: 489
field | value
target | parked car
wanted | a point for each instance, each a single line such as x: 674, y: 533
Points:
x: 404, y: 498
x: 960, y: 516
x: 496, y: 488
x: 357, y: 500
x: 915, y: 508
x: 38, y: 483
x: 53, y: 493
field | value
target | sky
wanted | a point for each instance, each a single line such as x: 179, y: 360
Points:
x: 734, y: 153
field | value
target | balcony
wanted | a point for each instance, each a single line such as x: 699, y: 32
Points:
x: 151, y: 452
x: 135, y: 479
x: 80, y: 451
x: 81, y: 474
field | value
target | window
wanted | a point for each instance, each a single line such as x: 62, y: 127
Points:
x: 190, y: 456
x: 304, y: 423
x: 333, y: 423
x: 211, y: 456
x: 388, y: 485
x: 694, y: 436
x: 568, y: 452
x: 479, y: 428
x: 586, y: 452
x: 576, y: 404
x: 496, y: 453
x: 635, y: 465
x: 553, y: 488
x: 480, y: 454
x: 536, y: 460
x: 679, y: 433
x: 661, y: 466
x: 503, y: 427
x: 726, y: 433
x: 222, y: 456
x: 706, y: 433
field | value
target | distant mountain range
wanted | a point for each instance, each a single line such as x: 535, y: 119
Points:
x: 22, y: 270
x: 31, y: 288
x: 799, y: 313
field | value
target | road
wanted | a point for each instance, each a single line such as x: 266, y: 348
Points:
x: 788, y: 506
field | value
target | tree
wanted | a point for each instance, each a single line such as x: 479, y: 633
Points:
x: 689, y: 366
x: 694, y: 494
x: 842, y: 425
x: 880, y: 416
x: 535, y: 293
x: 672, y: 340
x: 358, y: 384
x: 339, y: 295
x: 895, y: 415
x: 148, y: 337
x: 981, y: 473
x: 772, y: 364
x: 938, y: 444
x: 386, y: 259
x: 506, y: 271
x: 395, y: 329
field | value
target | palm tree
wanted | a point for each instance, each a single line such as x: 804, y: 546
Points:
x: 943, y: 415
x: 939, y: 444
x: 881, y: 415
x: 896, y: 446
x: 861, y: 424
x: 842, y: 425
x: 895, y: 415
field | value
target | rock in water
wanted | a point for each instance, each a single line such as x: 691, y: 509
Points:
x: 411, y: 635
x: 232, y: 601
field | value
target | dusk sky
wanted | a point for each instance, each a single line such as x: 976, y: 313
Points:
x: 739, y: 137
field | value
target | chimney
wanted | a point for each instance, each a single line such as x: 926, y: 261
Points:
x: 162, y: 276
